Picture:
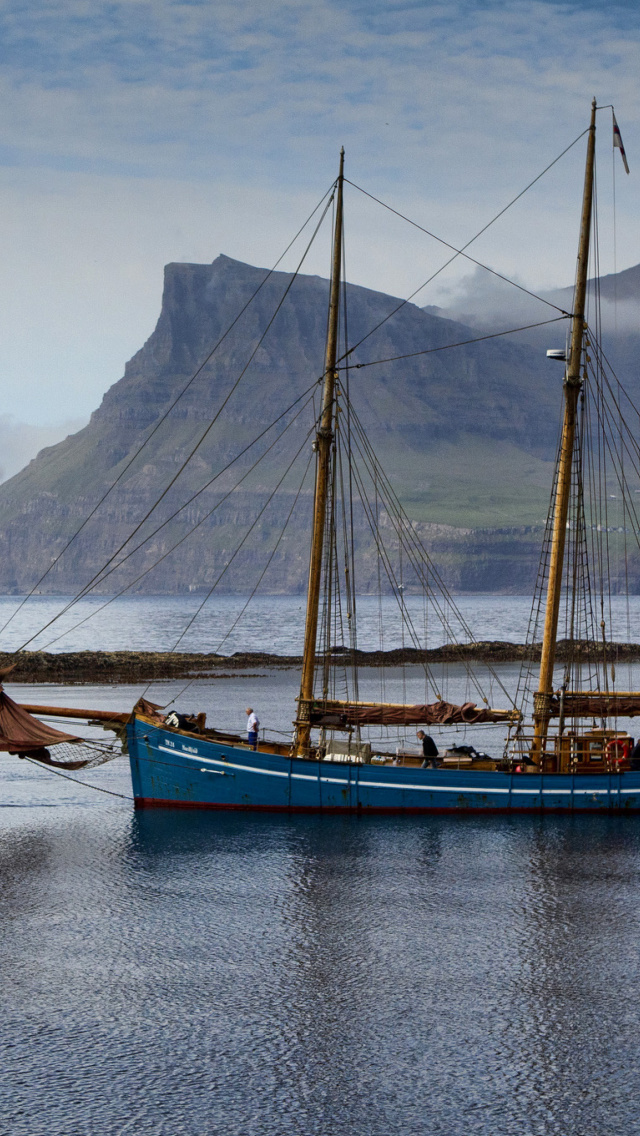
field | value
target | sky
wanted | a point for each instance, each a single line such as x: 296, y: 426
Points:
x: 136, y: 133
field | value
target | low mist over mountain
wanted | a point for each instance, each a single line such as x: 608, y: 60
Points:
x: 488, y: 303
x: 19, y: 441
x: 467, y: 436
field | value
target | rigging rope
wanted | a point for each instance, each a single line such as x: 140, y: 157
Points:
x: 67, y: 777
x: 166, y: 414
x: 407, y: 537
x: 416, y: 552
x: 447, y: 346
x: 203, y: 488
x: 244, y: 539
x: 132, y: 583
x: 461, y: 252
x: 211, y: 424
x: 259, y: 581
x: 603, y: 438
x: 350, y: 566
x: 186, y: 536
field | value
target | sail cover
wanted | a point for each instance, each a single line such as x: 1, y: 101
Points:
x: 20, y: 733
x: 597, y: 704
x: 342, y: 715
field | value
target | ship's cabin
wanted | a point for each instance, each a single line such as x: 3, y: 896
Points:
x: 578, y: 751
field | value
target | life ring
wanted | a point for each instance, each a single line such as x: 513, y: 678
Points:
x: 618, y: 750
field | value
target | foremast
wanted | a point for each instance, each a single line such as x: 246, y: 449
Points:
x: 572, y: 386
x: 324, y: 442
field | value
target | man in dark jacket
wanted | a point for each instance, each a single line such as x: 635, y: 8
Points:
x: 429, y: 751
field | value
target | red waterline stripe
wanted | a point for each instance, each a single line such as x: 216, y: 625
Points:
x: 157, y: 803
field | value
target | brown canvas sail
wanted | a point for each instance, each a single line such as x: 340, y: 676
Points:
x: 342, y: 715
x: 596, y: 704
x: 21, y: 733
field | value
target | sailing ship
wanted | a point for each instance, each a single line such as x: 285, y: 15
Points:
x: 575, y: 754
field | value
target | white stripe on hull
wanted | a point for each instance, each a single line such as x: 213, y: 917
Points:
x: 402, y: 786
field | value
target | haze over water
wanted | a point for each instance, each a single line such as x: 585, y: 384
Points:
x: 195, y: 973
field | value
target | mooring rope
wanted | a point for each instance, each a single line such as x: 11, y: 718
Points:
x: 67, y: 777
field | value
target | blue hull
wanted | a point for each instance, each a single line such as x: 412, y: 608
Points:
x: 171, y: 770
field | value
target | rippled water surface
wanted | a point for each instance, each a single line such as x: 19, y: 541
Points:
x: 182, y: 973
x: 191, y: 973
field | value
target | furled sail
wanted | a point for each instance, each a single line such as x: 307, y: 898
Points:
x: 342, y: 715
x: 21, y: 733
x: 596, y: 704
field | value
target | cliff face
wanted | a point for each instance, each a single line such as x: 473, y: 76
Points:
x: 466, y: 435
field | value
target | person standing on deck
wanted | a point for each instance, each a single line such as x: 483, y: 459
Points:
x: 429, y: 750
x: 253, y: 725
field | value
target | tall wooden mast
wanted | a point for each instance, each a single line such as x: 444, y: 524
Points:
x: 324, y: 442
x: 572, y: 386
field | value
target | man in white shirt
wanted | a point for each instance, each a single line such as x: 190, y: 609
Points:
x: 253, y: 725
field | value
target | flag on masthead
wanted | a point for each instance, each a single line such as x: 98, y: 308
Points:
x: 617, y: 141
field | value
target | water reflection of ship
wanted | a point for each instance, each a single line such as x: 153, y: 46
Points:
x: 354, y: 937
x: 573, y: 940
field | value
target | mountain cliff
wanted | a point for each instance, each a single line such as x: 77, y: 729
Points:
x: 467, y: 436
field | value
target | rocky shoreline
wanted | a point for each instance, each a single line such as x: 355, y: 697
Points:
x: 142, y: 666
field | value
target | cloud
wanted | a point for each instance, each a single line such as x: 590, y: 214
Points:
x: 142, y: 85
x: 483, y: 301
x: 139, y: 132
x: 20, y: 442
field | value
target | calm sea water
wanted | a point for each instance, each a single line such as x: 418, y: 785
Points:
x: 170, y: 973
x: 270, y: 623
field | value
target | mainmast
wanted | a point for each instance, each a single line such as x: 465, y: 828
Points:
x: 324, y: 442
x: 572, y: 387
